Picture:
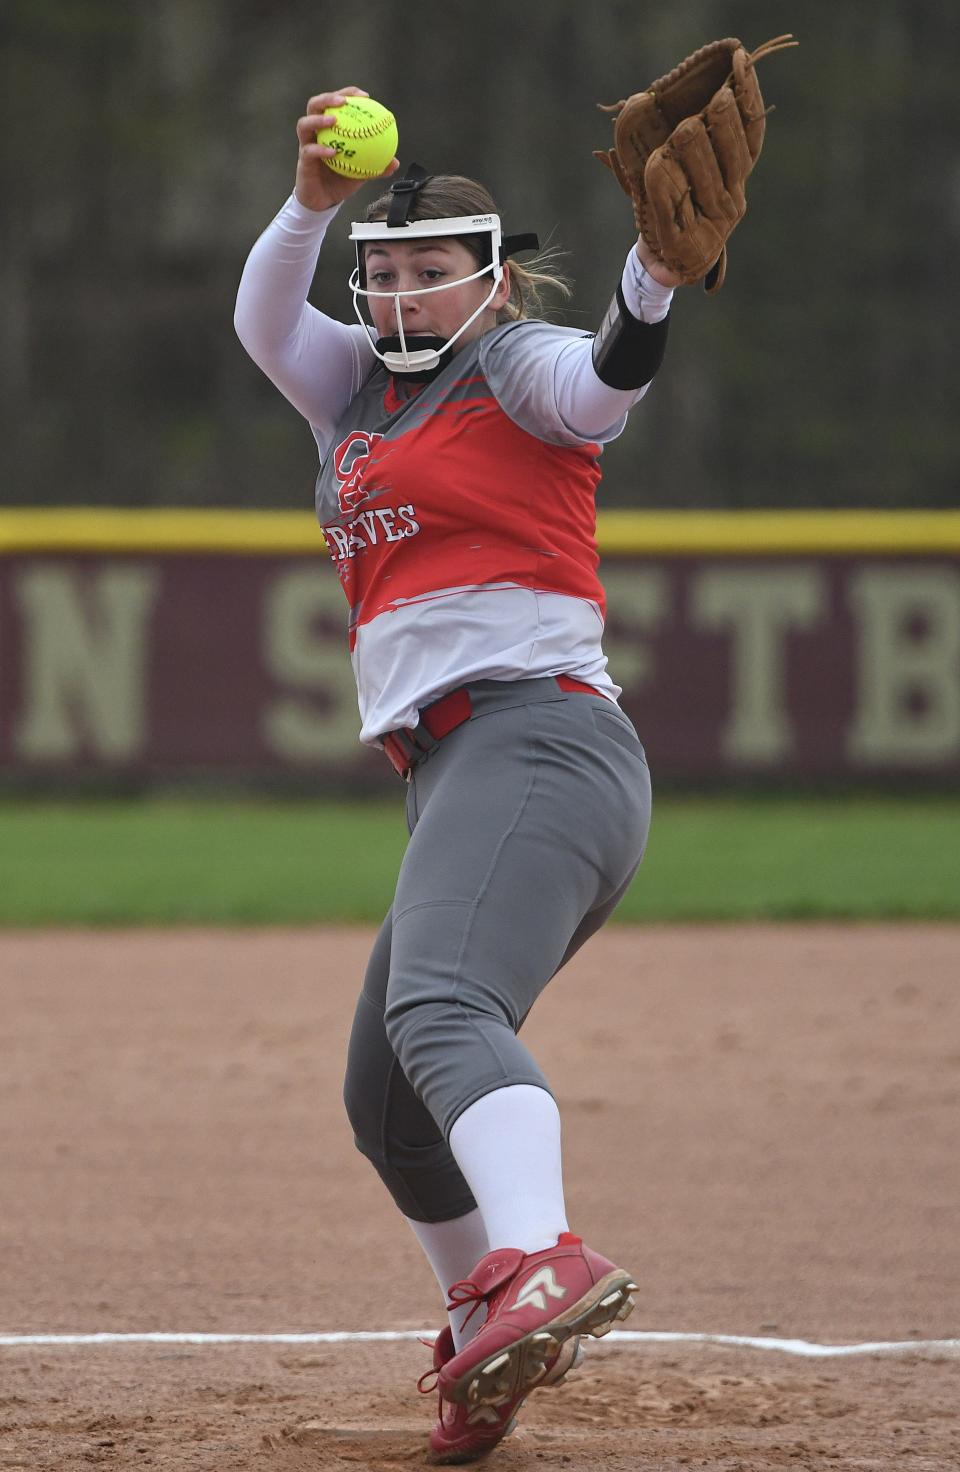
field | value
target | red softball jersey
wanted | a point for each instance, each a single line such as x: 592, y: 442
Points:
x: 461, y: 518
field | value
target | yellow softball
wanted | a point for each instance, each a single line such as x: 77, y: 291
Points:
x: 364, y: 135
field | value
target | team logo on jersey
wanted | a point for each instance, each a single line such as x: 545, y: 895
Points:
x: 371, y: 529
x: 350, y: 460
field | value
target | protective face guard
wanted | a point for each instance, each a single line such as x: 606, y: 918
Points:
x: 422, y: 359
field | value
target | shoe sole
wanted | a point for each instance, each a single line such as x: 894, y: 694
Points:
x: 455, y: 1458
x: 568, y: 1360
x: 530, y: 1362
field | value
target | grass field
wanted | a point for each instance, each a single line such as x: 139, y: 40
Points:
x: 153, y: 862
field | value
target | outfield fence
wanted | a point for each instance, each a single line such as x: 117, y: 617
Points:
x: 751, y: 645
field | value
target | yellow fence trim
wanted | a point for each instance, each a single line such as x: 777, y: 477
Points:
x: 753, y: 533
x: 638, y: 533
x: 163, y: 529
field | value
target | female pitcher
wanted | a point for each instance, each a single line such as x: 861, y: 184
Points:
x: 459, y: 439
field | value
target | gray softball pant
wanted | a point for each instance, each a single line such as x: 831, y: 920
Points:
x: 527, y: 824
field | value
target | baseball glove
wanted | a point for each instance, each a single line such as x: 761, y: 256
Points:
x: 682, y: 151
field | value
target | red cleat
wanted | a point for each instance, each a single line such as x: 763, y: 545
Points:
x: 465, y: 1433
x: 537, y: 1304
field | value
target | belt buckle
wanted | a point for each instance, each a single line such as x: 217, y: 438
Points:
x: 406, y: 747
x: 405, y: 750
x: 399, y: 756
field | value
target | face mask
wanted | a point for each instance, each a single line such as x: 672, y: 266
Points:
x: 431, y: 354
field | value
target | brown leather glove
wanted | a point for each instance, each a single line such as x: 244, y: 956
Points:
x: 682, y: 150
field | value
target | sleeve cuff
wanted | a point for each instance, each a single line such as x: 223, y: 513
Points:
x: 298, y: 214
x: 646, y: 299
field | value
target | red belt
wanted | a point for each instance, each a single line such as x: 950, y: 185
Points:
x: 408, y: 746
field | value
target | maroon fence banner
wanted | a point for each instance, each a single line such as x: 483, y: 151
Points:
x: 785, y: 666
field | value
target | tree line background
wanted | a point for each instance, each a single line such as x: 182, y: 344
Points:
x: 146, y: 145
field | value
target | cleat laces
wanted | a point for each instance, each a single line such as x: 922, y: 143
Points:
x: 466, y: 1292
x: 422, y: 1385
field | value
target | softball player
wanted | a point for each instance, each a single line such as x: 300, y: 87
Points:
x: 459, y: 439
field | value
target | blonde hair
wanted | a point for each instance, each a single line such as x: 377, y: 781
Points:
x: 445, y: 196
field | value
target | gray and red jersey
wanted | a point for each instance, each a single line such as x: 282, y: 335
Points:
x: 461, y: 518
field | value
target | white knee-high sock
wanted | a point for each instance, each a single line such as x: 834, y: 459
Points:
x: 453, y: 1250
x: 507, y: 1145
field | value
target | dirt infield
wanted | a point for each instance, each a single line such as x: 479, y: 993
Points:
x: 762, y: 1123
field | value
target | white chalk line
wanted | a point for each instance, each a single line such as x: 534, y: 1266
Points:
x: 801, y: 1347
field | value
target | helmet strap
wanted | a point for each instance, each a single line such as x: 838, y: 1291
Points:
x: 404, y: 191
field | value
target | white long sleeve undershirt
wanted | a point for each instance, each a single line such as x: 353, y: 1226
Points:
x: 319, y: 364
